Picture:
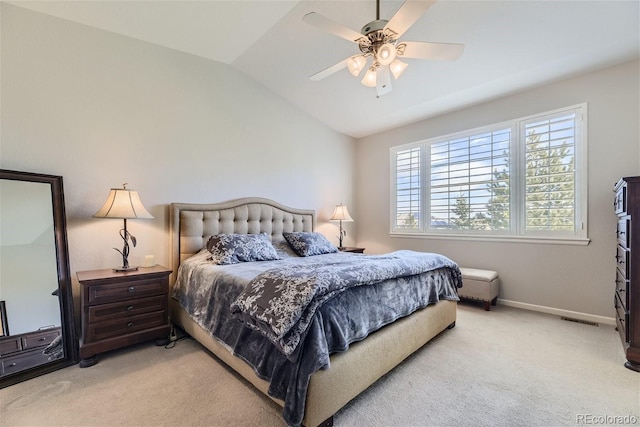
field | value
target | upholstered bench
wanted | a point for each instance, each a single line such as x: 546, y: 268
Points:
x: 482, y: 285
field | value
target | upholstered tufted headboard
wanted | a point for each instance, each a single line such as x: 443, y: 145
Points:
x: 193, y: 224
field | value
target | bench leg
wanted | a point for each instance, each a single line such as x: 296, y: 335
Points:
x: 487, y: 305
x: 494, y: 301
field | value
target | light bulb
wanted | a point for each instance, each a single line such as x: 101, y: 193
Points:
x: 356, y: 64
x: 397, y: 68
x: 386, y: 54
x: 369, y: 78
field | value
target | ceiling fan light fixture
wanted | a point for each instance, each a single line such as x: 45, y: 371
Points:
x: 369, y: 78
x: 356, y: 64
x: 397, y: 67
x: 386, y: 54
x: 381, y: 40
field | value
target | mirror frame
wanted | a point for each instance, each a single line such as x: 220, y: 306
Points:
x: 65, y: 295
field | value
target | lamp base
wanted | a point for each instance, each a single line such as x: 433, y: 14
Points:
x: 125, y: 269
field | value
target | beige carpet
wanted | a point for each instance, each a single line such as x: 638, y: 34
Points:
x: 507, y: 367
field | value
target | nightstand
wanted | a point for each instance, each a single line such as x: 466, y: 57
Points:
x: 119, y: 309
x: 352, y: 249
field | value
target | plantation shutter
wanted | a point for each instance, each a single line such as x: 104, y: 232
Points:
x: 550, y: 173
x: 469, y: 182
x: 408, y: 189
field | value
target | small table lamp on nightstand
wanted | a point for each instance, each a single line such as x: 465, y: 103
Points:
x: 124, y: 204
x: 341, y: 213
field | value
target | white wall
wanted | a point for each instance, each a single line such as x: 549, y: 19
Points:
x: 572, y: 278
x: 102, y: 109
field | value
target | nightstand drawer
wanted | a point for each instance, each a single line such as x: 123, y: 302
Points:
x: 104, y: 293
x: 22, y: 361
x: 39, y: 339
x: 9, y: 345
x: 352, y: 250
x: 134, y: 307
x: 120, y: 327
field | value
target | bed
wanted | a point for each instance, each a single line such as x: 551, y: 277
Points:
x: 360, y: 360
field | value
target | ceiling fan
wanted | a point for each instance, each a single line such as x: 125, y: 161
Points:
x: 378, y: 41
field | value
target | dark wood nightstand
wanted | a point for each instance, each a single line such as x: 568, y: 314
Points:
x: 122, y: 308
x: 352, y: 249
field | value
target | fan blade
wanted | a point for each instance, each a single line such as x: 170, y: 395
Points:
x: 428, y: 50
x: 383, y: 81
x: 407, y: 15
x: 327, y: 72
x: 332, y: 27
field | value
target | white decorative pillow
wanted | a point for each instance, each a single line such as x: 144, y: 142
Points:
x: 306, y: 243
x: 236, y: 248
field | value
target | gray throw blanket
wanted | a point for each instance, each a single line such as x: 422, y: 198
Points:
x: 280, y: 303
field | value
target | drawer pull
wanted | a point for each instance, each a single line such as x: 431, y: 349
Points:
x: 130, y: 308
x: 43, y: 339
x: 131, y: 289
x: 11, y: 365
x: 130, y: 324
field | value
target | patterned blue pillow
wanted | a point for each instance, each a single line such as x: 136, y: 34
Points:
x: 307, y: 243
x: 235, y: 248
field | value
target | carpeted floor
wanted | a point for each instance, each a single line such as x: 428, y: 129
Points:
x: 507, y: 367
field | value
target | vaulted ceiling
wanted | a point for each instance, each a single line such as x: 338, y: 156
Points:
x: 509, y: 46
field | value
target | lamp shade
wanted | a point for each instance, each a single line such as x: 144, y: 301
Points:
x: 369, y: 78
x: 356, y: 64
x: 124, y: 204
x: 341, y: 213
x: 386, y: 54
x: 397, y: 67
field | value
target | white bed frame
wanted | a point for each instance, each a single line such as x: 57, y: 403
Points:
x: 350, y: 372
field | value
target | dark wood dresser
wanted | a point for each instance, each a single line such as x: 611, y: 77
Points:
x: 122, y: 308
x: 627, y: 294
x: 24, y: 351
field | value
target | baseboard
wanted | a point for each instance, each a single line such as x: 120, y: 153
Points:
x: 560, y: 312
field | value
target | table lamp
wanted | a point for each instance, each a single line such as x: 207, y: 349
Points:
x: 124, y: 204
x: 341, y: 213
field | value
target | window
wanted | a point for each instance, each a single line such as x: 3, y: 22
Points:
x: 519, y: 179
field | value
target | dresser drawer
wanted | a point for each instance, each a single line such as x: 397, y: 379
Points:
x: 622, y: 259
x: 39, y: 339
x: 126, y: 290
x: 9, y: 345
x: 622, y: 289
x: 134, y: 307
x: 620, y: 202
x: 120, y: 327
x: 622, y: 319
x: 622, y: 232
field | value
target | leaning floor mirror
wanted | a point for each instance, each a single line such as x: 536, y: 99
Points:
x: 37, y: 332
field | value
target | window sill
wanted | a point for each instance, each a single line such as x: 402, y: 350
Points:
x: 571, y: 241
